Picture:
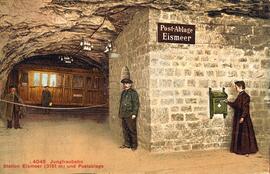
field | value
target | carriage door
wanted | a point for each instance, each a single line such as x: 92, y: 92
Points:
x: 35, y: 88
x: 77, y: 89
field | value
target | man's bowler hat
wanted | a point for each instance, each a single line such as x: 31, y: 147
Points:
x: 12, y: 86
x: 126, y: 81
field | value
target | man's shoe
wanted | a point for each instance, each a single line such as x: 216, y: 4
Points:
x: 124, y: 146
x: 134, y: 148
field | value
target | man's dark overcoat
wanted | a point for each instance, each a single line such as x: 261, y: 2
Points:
x: 129, y: 105
x: 46, y: 98
x: 11, y: 112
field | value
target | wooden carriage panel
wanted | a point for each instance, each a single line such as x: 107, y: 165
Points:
x: 57, y: 95
x: 67, y: 93
x: 23, y: 85
x: 77, y: 96
x: 34, y: 95
x: 67, y: 96
x: 68, y: 87
x: 23, y: 90
x: 34, y: 90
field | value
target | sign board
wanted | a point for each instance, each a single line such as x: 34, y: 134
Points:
x: 77, y: 95
x: 176, y: 33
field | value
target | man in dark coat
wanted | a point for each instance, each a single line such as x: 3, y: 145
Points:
x: 13, y: 112
x: 243, y: 136
x: 128, y: 112
x: 46, y: 99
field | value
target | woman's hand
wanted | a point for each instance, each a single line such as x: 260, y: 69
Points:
x: 224, y: 101
x: 241, y: 120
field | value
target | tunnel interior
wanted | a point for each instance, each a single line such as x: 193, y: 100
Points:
x: 33, y: 45
x: 73, y: 83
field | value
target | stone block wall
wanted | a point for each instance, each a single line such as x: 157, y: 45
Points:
x: 2, y: 90
x: 227, y: 48
x: 132, y: 45
x: 173, y: 80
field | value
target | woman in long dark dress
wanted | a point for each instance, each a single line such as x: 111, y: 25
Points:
x: 243, y: 136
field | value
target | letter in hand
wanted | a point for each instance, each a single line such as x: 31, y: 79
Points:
x: 224, y: 101
x: 241, y: 120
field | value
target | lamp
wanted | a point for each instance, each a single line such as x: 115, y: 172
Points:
x: 66, y: 59
x: 108, y: 47
x: 86, y: 45
x: 113, y: 54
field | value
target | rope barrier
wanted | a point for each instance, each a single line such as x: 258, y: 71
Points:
x: 52, y: 108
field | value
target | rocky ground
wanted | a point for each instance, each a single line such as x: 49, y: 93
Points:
x: 86, y: 139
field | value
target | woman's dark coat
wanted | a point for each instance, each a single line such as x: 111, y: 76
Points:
x: 243, y: 136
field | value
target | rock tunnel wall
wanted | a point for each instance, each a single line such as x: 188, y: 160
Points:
x: 174, y: 94
x: 172, y: 79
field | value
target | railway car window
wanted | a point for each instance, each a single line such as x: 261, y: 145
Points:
x: 96, y: 83
x: 36, y: 79
x: 59, y: 80
x: 24, y: 79
x: 67, y: 81
x: 45, y: 78
x: 77, y: 81
x: 89, y: 83
x: 53, y: 80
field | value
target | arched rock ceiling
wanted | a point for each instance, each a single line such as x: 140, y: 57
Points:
x: 40, y: 27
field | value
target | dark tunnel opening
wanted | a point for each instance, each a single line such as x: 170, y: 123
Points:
x: 78, y: 86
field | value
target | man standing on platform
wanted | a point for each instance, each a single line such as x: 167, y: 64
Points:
x: 13, y: 112
x: 46, y: 99
x: 128, y: 112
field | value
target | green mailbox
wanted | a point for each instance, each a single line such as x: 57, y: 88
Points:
x: 217, y: 102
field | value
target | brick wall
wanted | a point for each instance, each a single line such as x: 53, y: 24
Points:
x: 131, y: 44
x: 227, y: 49
x: 173, y: 79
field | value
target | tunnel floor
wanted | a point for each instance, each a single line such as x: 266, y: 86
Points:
x: 86, y: 145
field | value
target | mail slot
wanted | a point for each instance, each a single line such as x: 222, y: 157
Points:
x: 217, y: 102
